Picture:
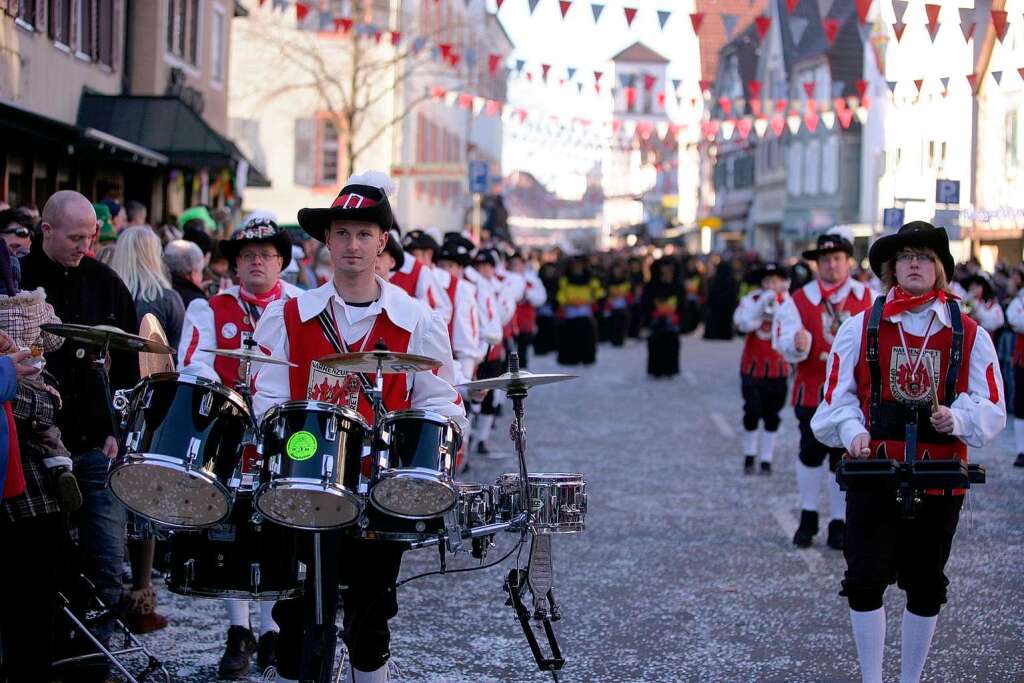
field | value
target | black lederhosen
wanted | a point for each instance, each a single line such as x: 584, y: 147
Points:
x: 1018, y: 394
x: 363, y: 574
x: 812, y: 451
x: 486, y: 370
x: 763, y: 398
x: 883, y: 547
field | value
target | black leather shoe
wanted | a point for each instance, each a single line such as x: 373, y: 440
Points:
x: 807, y: 529
x: 748, y: 464
x: 836, y: 534
x: 1019, y: 462
x: 766, y: 468
x: 266, y: 651
x: 482, y: 449
x: 237, y: 659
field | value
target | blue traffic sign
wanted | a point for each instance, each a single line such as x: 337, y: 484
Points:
x: 479, y: 175
x: 947, y: 191
x: 892, y: 219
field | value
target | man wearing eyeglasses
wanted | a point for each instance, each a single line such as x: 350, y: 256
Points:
x: 257, y: 253
x: 16, y: 230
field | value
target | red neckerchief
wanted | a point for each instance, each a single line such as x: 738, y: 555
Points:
x: 902, y: 300
x: 827, y: 292
x: 261, y: 301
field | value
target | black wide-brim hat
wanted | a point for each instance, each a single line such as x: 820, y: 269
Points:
x: 827, y: 244
x: 914, y: 234
x: 771, y: 268
x: 418, y: 239
x: 257, y: 231
x: 456, y: 249
x: 359, y: 203
x: 982, y: 279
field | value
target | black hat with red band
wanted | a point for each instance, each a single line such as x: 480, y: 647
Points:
x: 364, y: 199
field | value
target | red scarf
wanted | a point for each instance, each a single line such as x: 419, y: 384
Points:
x: 827, y: 292
x: 261, y: 301
x: 901, y: 300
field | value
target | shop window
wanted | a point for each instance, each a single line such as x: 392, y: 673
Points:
x: 183, y: 30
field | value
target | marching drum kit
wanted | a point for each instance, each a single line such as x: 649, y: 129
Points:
x: 236, y: 493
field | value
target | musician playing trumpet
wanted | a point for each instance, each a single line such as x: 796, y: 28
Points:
x: 805, y: 326
x: 913, y: 367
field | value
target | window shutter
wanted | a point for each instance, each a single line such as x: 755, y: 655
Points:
x: 305, y: 134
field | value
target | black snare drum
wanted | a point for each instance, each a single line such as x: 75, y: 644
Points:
x: 474, y: 508
x: 245, y: 558
x: 183, y: 441
x: 413, y: 474
x: 311, y: 465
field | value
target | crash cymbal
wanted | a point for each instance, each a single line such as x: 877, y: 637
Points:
x: 366, y: 361
x: 513, y: 380
x: 152, y: 363
x: 251, y: 356
x: 113, y: 337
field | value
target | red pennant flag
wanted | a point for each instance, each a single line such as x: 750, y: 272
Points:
x: 630, y: 97
x: 564, y: 5
x: 649, y: 82
x: 780, y: 105
x: 845, y: 117
x: 396, y: 37
x: 522, y: 114
x: 446, y: 50
x: 630, y: 13
x: 616, y: 126
x: 918, y: 82
x: 597, y: 76
x: 933, y: 15
x: 862, y: 10
x: 973, y: 80
x: 661, y: 99
x: 839, y: 104
x: 811, y: 121
x: 465, y: 100
x: 492, y: 107
x: 791, y: 6
x: 704, y: 86
x: 343, y: 24
x: 454, y: 59
x: 301, y: 11
x: 861, y: 86
x: 778, y: 124
x: 1020, y: 70
x: 809, y: 89
x: 762, y: 23
x: 898, y: 29
x: 831, y: 28
x: 263, y: 2
x: 497, y: 3
x: 437, y: 92
x: 645, y: 128
x: 377, y: 35
x: 696, y: 19
x: 529, y: 76
x: 493, y: 62
x: 755, y: 107
x: 968, y: 30
x: 999, y: 23
x: 754, y: 87
x: 743, y: 127
x: 544, y: 69
x: 726, y: 104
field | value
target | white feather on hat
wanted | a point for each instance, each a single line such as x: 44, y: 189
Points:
x: 843, y: 231
x: 378, y: 179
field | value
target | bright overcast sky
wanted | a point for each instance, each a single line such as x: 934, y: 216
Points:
x: 578, y: 42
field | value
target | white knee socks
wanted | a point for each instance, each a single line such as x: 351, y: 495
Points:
x: 916, y: 636
x: 836, y: 499
x: 1018, y: 433
x: 378, y: 676
x: 750, y: 442
x: 238, y: 612
x: 808, y: 483
x: 484, y: 424
x: 267, y: 622
x: 869, y: 637
x: 767, y: 446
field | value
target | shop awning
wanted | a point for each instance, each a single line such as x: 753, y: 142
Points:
x: 168, y: 126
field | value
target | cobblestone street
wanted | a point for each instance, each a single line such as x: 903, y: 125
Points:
x: 686, y: 571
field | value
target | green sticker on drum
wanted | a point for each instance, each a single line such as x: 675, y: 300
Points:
x: 301, y: 446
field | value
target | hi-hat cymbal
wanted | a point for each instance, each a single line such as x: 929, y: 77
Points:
x: 366, y: 361
x: 514, y: 380
x: 108, y: 335
x: 251, y: 356
x: 152, y: 363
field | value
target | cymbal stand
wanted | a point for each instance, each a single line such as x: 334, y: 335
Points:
x: 517, y: 432
x: 100, y: 365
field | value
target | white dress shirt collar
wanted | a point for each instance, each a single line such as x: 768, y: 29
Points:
x: 400, y: 307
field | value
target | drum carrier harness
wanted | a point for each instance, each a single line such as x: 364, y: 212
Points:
x: 909, y: 421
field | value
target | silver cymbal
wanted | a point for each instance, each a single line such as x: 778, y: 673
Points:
x: 107, y: 335
x: 512, y: 380
x: 391, y: 362
x: 251, y: 356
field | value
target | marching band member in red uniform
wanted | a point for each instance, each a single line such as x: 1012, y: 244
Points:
x: 805, y: 326
x: 464, y: 328
x: 415, y: 275
x: 763, y: 372
x: 983, y: 305
x: 359, y: 309
x: 912, y: 357
x: 258, y: 253
x: 534, y: 296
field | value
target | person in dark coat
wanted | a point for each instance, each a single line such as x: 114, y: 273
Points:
x: 545, y: 341
x: 723, y: 296
x: 578, y: 293
x: 663, y: 299
x: 185, y: 262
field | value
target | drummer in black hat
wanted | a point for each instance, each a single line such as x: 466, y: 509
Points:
x: 257, y: 253
x: 805, y: 326
x: 763, y: 372
x: 982, y: 304
x: 912, y: 359
x: 356, y: 310
x: 453, y: 256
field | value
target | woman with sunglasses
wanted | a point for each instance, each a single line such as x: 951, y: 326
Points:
x: 17, y: 230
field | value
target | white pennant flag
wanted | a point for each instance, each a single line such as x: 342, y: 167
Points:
x: 793, y: 121
x: 829, y: 119
x: 478, y: 105
x: 760, y: 127
x: 862, y: 115
x: 630, y: 128
x: 450, y: 98
x: 662, y: 128
x: 727, y: 129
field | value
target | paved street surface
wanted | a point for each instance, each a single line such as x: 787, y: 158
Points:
x: 686, y: 571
